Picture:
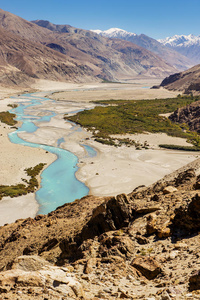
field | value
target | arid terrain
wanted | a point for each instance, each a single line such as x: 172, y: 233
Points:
x: 136, y: 233
x: 143, y: 245
x: 133, y: 244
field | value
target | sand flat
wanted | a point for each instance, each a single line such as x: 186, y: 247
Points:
x: 120, y: 170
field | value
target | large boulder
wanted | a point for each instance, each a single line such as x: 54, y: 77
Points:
x: 187, y: 219
x: 194, y: 281
x: 147, y: 266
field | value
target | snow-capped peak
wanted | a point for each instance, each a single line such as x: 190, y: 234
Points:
x: 181, y: 40
x: 114, y: 33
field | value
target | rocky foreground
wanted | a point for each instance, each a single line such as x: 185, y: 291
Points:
x: 144, y: 245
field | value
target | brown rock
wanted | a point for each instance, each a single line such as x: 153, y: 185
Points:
x: 194, y: 281
x: 180, y: 245
x: 187, y: 218
x: 142, y: 240
x: 112, y: 214
x: 30, y: 279
x: 164, y: 232
x: 8, y: 280
x: 29, y: 263
x: 169, y: 190
x: 147, y: 209
x: 151, y: 225
x: 90, y: 264
x: 147, y: 266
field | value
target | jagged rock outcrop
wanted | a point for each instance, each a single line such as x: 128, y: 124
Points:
x: 137, y: 245
x: 32, y: 277
x: 194, y: 281
x: 147, y: 266
x: 189, y: 115
x: 187, y: 217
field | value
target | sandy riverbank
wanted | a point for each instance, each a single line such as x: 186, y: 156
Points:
x: 120, y: 170
x: 107, y: 91
x: 14, y: 159
x: 113, y: 171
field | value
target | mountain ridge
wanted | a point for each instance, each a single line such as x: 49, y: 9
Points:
x: 188, y: 45
x: 187, y: 82
x: 22, y: 61
x: 98, y: 57
x: 174, y: 58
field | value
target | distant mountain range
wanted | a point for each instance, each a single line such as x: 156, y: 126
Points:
x: 170, y: 48
x: 180, y: 62
x: 188, y: 45
x: 62, y: 52
x: 115, y: 33
x: 43, y: 50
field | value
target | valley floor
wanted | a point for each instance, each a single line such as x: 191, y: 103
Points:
x: 112, y: 171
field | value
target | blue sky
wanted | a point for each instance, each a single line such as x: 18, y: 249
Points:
x: 156, y: 18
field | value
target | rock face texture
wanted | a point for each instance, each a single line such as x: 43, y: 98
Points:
x: 189, y: 115
x: 137, y: 246
x: 187, y: 82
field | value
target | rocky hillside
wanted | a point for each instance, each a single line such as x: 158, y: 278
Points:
x: 186, y: 82
x: 179, y: 61
x: 103, y: 57
x: 189, y: 115
x: 136, y: 246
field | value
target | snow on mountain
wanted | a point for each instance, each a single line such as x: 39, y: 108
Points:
x: 115, y: 33
x: 181, y: 40
x: 178, y: 61
x: 188, y: 45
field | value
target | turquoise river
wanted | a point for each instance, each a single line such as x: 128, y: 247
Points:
x: 58, y: 181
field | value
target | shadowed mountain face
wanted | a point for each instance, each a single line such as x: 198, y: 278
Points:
x: 187, y: 81
x: 179, y: 61
x: 91, y: 55
x: 21, y: 61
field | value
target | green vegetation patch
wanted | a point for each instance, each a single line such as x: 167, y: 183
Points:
x: 178, y: 147
x: 130, y: 116
x: 23, y: 189
x: 8, y: 118
x: 12, y: 105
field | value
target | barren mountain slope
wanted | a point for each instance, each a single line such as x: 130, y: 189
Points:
x: 187, y: 81
x: 93, y: 51
x: 179, y: 61
x: 21, y: 61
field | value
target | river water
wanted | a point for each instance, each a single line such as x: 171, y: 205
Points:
x: 58, y: 182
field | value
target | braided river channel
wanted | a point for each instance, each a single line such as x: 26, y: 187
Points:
x: 59, y: 184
